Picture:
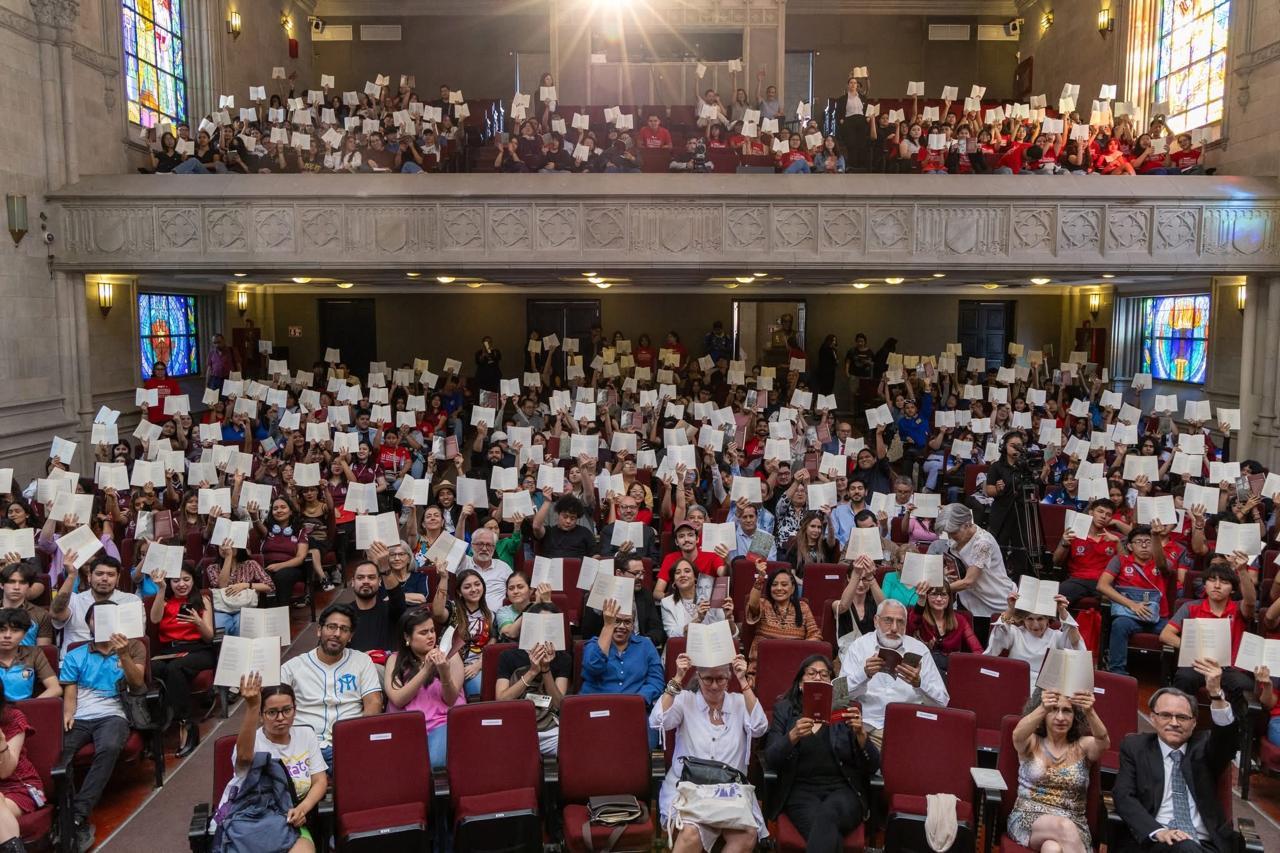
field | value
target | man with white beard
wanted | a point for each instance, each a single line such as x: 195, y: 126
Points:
x: 888, y: 666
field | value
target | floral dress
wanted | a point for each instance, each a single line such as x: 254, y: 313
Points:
x: 1051, y: 787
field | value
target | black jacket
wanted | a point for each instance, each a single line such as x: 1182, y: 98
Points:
x: 647, y: 615
x: 1139, y: 785
x: 648, y: 548
x: 857, y: 764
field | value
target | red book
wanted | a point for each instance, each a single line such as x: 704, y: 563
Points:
x: 817, y: 700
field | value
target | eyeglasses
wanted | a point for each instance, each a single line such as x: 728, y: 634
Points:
x: 817, y: 673
x: 624, y: 623
x: 1167, y: 717
x: 277, y: 713
x: 336, y: 628
x: 713, y: 679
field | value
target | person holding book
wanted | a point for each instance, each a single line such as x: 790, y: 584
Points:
x: 540, y: 674
x: 1136, y: 584
x: 421, y: 676
x: 690, y: 600
x: 937, y: 623
x: 780, y: 613
x: 1058, y: 738
x: 824, y: 765
x: 620, y: 660
x: 1028, y: 636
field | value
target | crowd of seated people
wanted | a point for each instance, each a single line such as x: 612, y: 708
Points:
x: 394, y: 129
x: 460, y: 505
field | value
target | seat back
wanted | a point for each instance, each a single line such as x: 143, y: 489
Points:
x: 223, y: 769
x: 1115, y: 698
x: 44, y: 748
x: 489, y: 668
x: 943, y: 740
x: 777, y: 662
x: 971, y: 472
x: 384, y: 762
x: 573, y: 601
x: 1053, y: 518
x: 492, y: 747
x: 823, y: 582
x: 724, y: 161
x: 989, y: 686
x: 587, y: 723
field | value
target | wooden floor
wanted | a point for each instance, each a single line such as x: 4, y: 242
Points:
x: 133, y: 816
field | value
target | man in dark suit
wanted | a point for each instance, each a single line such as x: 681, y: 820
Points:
x: 1167, y: 788
x: 628, y: 507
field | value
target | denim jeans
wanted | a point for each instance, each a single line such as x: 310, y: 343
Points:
x: 472, y: 685
x: 190, y: 166
x: 437, y: 746
x: 1122, y: 628
x: 798, y: 167
x: 228, y: 623
x: 411, y: 168
x: 1273, y: 730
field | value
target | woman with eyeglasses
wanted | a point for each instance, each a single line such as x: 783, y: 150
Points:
x: 824, y: 770
x: 1057, y: 740
x: 296, y: 746
x: 935, y: 622
x: 714, y: 724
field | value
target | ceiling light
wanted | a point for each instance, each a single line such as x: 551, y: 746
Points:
x: 475, y: 284
x: 588, y: 274
x: 939, y: 275
x: 596, y: 280
x: 759, y: 274
x: 860, y: 285
x: 445, y: 279
x: 300, y: 279
x: 239, y: 274
x: 413, y: 274
x: 346, y: 285
x: 1041, y: 280
x: 744, y: 279
x: 1107, y: 275
x: 731, y: 285
x: 894, y: 280
x: 602, y: 284
x: 991, y: 286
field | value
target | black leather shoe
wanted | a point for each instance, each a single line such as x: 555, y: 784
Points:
x: 192, y: 741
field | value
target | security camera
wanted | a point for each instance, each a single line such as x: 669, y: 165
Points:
x: 1013, y: 27
x: 317, y: 25
x: 48, y: 237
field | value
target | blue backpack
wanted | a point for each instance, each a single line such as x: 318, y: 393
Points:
x: 254, y: 821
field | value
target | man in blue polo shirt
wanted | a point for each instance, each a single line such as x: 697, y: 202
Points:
x: 92, y: 712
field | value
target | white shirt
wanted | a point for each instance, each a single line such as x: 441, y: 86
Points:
x: 1023, y: 645
x: 853, y: 107
x: 73, y: 628
x: 990, y: 595
x: 877, y: 692
x: 495, y: 581
x: 326, y: 694
x: 1164, y: 817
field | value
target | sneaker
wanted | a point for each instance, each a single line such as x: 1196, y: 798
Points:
x: 85, y: 834
x: 327, y: 586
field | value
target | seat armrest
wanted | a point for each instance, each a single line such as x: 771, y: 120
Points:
x: 325, y: 822
x: 198, y: 830
x: 64, y: 812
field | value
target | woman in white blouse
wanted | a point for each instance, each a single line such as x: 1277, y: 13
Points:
x: 709, y: 723
x: 986, y: 584
x: 690, y: 601
x: 1028, y: 636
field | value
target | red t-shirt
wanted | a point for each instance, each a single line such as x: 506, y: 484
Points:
x: 1129, y: 573
x: 164, y: 388
x: 1183, y: 160
x: 644, y: 356
x: 649, y: 138
x: 705, y: 562
x: 785, y: 160
x: 1012, y: 157
x: 392, y: 459
x: 1200, y: 610
x: 1089, y: 557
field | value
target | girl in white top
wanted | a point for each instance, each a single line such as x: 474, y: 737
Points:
x: 1028, y: 636
x: 986, y: 584
x: 710, y: 723
x: 690, y: 601
x: 297, y: 747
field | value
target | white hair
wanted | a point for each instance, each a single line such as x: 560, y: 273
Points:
x: 888, y: 604
x: 953, y: 517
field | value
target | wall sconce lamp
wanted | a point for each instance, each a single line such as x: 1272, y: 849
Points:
x: 233, y: 24
x: 106, y: 297
x: 1106, y: 23
x: 16, y: 207
x: 1095, y: 304
x: 1242, y: 296
x: 1046, y: 21
x: 286, y: 22
x: 242, y: 301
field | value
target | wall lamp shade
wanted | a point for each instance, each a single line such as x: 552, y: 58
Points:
x: 15, y: 207
x: 1242, y: 297
x: 233, y: 24
x: 1095, y: 304
x: 1106, y: 23
x: 106, y: 297
x: 242, y: 302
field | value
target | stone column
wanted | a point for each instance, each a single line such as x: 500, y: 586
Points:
x: 67, y: 12
x: 1247, y: 398
x: 50, y: 16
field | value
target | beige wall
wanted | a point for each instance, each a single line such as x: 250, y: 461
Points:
x: 1253, y: 84
x: 1072, y: 51
x: 896, y: 49
x: 263, y: 44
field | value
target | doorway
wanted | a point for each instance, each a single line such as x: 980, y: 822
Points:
x: 761, y: 329
x: 986, y: 329
x: 351, y: 326
x: 572, y: 319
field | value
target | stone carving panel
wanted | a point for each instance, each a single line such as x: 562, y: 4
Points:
x: 1129, y: 229
x: 177, y: 229
x: 960, y: 231
x: 1079, y: 229
x: 558, y: 228
x: 676, y: 229
x: 889, y: 229
x: 1243, y: 231
x: 388, y: 231
x: 795, y: 229
x: 509, y: 228
x: 1176, y: 229
x: 109, y: 231
x: 604, y: 227
x: 321, y: 228
x: 746, y: 229
x: 462, y: 227
x: 1032, y: 230
x: 842, y: 228
x: 273, y: 229
x: 225, y: 229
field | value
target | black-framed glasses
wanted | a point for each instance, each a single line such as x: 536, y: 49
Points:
x: 1169, y: 717
x: 277, y: 713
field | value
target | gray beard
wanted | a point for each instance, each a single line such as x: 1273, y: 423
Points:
x: 886, y: 643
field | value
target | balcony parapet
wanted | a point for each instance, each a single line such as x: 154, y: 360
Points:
x: 132, y: 223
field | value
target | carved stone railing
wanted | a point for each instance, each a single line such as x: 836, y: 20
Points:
x: 128, y: 223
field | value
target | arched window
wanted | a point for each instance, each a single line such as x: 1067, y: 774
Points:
x: 154, y: 73
x: 1191, y: 61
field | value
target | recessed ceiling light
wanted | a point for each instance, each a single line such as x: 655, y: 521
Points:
x: 445, y: 279
x: 602, y: 284
x: 731, y: 285
x: 239, y: 274
x: 991, y: 286
x: 759, y: 274
x: 860, y: 285
x: 744, y: 279
x: 475, y: 284
x: 588, y: 274
x: 939, y: 275
x: 894, y: 280
x: 1107, y: 275
x: 596, y: 280
x: 346, y: 285
x: 1041, y: 280
x: 413, y: 274
x: 300, y: 279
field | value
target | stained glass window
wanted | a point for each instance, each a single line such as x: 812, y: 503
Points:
x: 1191, y: 61
x: 154, y: 71
x: 167, y: 332
x: 1175, y: 337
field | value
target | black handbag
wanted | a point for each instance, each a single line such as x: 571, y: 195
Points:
x: 704, y: 771
x: 136, y: 708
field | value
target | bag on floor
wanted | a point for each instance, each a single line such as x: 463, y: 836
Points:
x: 254, y: 820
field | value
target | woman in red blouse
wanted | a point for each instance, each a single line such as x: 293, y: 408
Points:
x: 165, y: 387
x: 644, y: 353
x: 935, y: 622
x: 284, y: 546
x: 185, y: 623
